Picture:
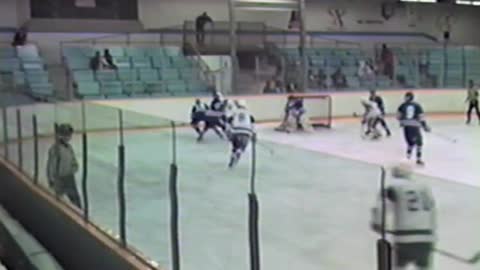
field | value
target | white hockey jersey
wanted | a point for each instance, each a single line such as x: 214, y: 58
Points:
x: 411, y: 215
x: 372, y: 110
x: 241, y: 122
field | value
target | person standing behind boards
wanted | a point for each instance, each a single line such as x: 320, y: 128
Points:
x: 62, y: 165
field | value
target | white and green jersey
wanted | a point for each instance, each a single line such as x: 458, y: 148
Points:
x: 410, y: 212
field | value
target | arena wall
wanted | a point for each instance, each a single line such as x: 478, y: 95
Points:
x: 271, y: 107
x: 8, y: 13
x: 361, y: 15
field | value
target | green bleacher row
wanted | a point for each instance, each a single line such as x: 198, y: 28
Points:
x: 140, y: 71
x: 26, y: 70
x: 452, y: 67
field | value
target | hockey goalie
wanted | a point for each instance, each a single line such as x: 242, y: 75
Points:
x: 294, y: 118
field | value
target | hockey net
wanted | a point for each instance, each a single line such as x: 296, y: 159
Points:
x: 318, y: 110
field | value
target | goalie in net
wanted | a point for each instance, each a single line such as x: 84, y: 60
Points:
x: 304, y: 111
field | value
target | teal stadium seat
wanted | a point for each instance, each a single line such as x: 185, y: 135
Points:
x: 134, y: 88
x: 27, y: 52
x: 169, y: 74
x: 141, y: 62
x: 127, y: 74
x: 111, y: 88
x: 83, y: 76
x: 37, y: 77
x: 122, y: 62
x: 106, y: 75
x: 9, y: 64
x: 135, y: 52
x: 41, y: 90
x: 161, y: 61
x: 7, y: 52
x: 19, y: 78
x: 156, y: 88
x: 27, y: 64
x: 177, y: 88
x: 88, y: 89
x: 181, y: 62
x: 148, y: 75
x: 74, y: 63
x: 172, y: 51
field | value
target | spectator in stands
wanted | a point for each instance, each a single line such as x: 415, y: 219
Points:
x: 62, y: 165
x: 271, y: 87
x: 108, y: 60
x: 386, y: 56
x: 200, y: 23
x: 292, y: 87
x: 366, y: 74
x: 96, y: 61
x: 339, y: 80
x: 20, y: 37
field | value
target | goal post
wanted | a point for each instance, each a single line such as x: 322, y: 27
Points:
x: 318, y: 109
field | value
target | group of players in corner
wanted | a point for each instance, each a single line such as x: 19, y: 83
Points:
x: 227, y: 119
x: 410, y: 115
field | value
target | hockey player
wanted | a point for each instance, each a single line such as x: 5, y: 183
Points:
x: 217, y: 102
x: 294, y: 109
x: 381, y: 106
x: 410, y: 115
x: 370, y: 119
x: 472, y: 100
x: 412, y: 210
x: 241, y: 131
x: 197, y: 115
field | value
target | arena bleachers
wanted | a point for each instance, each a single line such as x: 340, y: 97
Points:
x: 24, y: 70
x: 162, y: 71
x: 433, y: 67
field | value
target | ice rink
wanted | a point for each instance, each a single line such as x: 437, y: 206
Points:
x: 315, y: 190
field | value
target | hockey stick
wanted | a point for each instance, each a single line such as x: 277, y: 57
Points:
x: 444, y: 137
x: 473, y: 260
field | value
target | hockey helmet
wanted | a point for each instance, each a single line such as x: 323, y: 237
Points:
x: 402, y: 170
x: 241, y: 103
x: 64, y: 130
x: 409, y: 96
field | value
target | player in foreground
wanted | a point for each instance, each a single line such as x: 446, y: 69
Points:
x: 381, y: 106
x: 411, y: 117
x: 370, y: 119
x: 472, y: 100
x: 412, y: 208
x: 294, y: 109
x: 241, y: 131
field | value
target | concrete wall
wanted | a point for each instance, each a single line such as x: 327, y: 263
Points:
x: 75, y: 244
x: 271, y: 107
x: 418, y: 18
x: 8, y: 13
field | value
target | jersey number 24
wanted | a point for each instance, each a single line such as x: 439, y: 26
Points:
x: 417, y: 201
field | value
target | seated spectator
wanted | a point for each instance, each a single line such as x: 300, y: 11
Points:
x: 366, y: 74
x: 292, y: 88
x: 271, y: 87
x: 20, y: 37
x: 109, y: 62
x: 339, y: 79
x: 96, y: 61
